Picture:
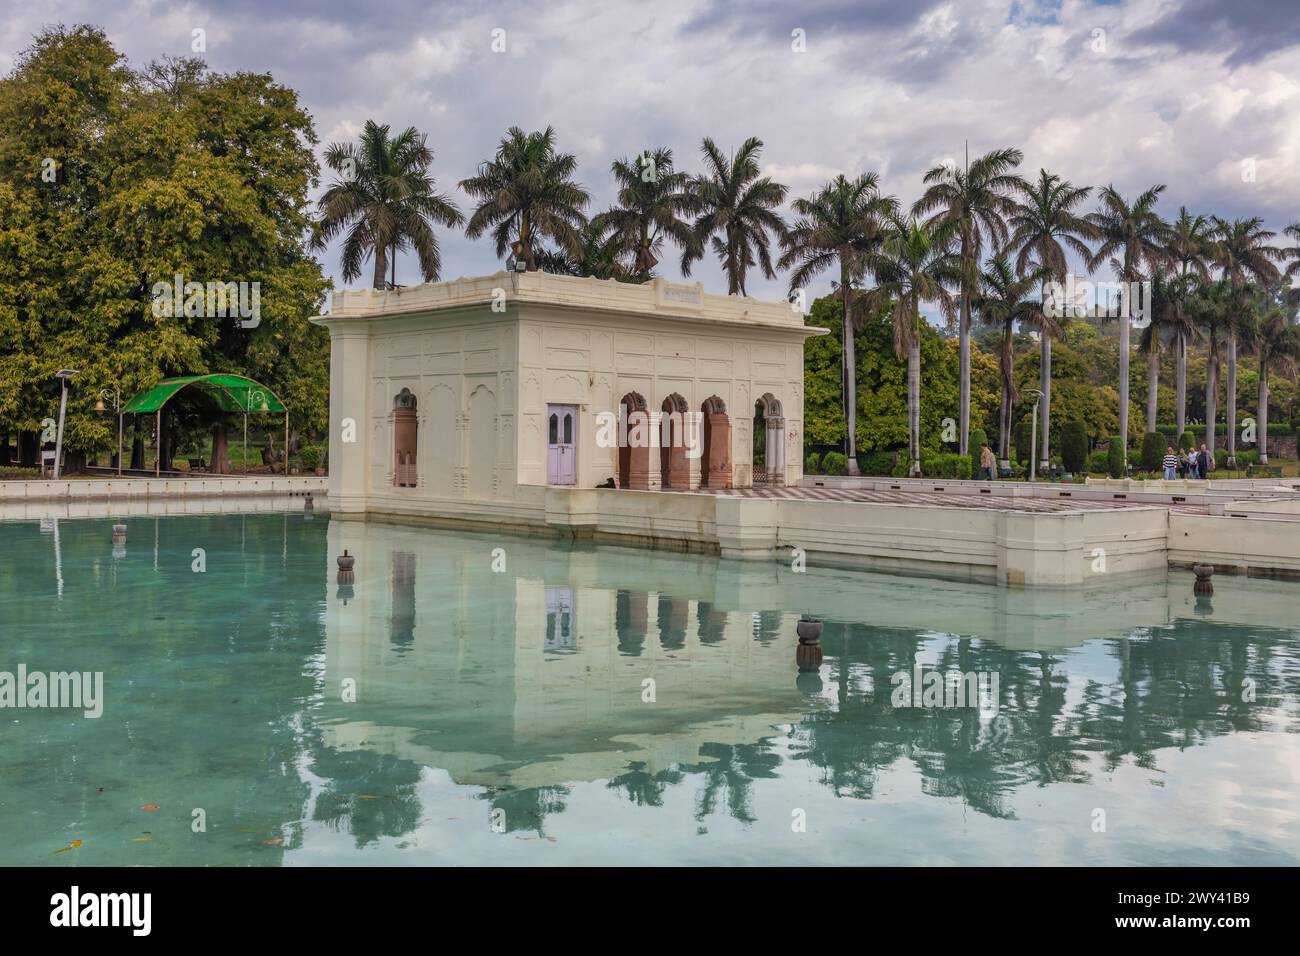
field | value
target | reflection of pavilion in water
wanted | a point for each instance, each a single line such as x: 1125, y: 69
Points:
x: 532, y: 679
x: 563, y: 667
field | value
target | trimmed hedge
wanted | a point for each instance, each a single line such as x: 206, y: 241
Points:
x: 1099, y: 462
x: 1115, y: 457
x: 835, y: 463
x: 812, y: 465
x: 879, y: 464
x: 1074, y: 446
x: 1153, y: 451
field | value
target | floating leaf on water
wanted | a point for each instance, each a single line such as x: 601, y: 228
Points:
x: 247, y: 830
x: 142, y: 839
x: 368, y: 796
x: 277, y: 841
x: 151, y: 806
x: 71, y: 846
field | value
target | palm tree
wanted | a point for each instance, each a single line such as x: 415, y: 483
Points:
x: 598, y: 258
x: 652, y: 200
x: 1043, y: 225
x: 1241, y: 252
x: 1004, y: 300
x: 526, y: 192
x: 385, y: 201
x: 1211, y: 309
x: 1275, y: 343
x: 842, y: 225
x: 915, y: 264
x: 736, y: 213
x: 1169, y: 319
x: 1137, y: 235
x: 975, y: 199
x: 1189, y: 242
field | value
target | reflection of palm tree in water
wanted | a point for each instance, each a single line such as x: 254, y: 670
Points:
x: 527, y: 809
x: 369, y: 794
x: 733, y: 771
x: 645, y: 789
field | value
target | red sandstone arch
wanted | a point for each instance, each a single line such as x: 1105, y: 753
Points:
x: 716, y: 470
x: 634, y: 460
x: 674, y: 469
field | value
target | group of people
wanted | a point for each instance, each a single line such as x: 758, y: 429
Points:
x: 1196, y: 463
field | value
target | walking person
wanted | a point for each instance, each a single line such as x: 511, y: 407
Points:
x: 986, y: 463
x: 1205, y: 461
x: 1182, y: 463
x: 1171, y: 463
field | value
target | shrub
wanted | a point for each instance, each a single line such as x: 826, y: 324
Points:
x: 945, y: 465
x: 1187, y: 442
x: 1022, y: 437
x: 309, y: 455
x: 978, y: 437
x: 1115, y: 457
x: 879, y: 463
x: 834, y: 463
x: 1099, y: 462
x: 1074, y: 446
x: 1153, y: 451
x: 812, y: 464
x: 1220, y: 458
x: 1245, y: 458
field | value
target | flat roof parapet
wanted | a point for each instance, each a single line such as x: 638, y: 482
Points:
x: 658, y: 297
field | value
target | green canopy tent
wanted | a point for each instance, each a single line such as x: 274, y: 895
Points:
x: 229, y: 393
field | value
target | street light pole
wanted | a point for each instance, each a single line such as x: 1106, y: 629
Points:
x: 63, y: 375
x: 1033, y: 435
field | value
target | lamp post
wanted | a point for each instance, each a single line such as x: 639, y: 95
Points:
x: 113, y: 395
x: 1033, y: 434
x: 62, y: 375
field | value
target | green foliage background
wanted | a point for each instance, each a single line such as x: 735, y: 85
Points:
x: 159, y: 170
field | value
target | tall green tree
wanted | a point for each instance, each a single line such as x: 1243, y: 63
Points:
x: 654, y: 203
x: 737, y: 213
x: 916, y: 265
x: 385, y: 200
x: 975, y: 198
x: 1213, y: 307
x: 1189, y: 243
x: 841, y: 226
x: 1005, y: 300
x: 1170, y: 321
x: 1044, y: 223
x: 1131, y: 234
x: 1275, y: 343
x: 527, y: 193
x: 119, y: 209
x: 1242, y: 253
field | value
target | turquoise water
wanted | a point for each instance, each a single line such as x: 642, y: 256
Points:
x: 479, y: 699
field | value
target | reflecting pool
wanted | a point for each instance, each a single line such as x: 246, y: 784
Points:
x: 480, y: 699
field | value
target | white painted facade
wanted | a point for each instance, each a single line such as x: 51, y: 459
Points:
x: 489, y: 359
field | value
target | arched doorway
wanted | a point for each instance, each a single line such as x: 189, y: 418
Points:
x: 406, y: 428
x: 769, y: 441
x: 674, y: 467
x: 634, y: 446
x: 716, y: 472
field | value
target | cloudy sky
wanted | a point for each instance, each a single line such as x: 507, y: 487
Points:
x: 1203, y: 95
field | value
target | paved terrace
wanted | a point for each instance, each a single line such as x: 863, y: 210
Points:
x: 1051, y: 499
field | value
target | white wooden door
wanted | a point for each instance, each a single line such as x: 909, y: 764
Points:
x: 561, y: 444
